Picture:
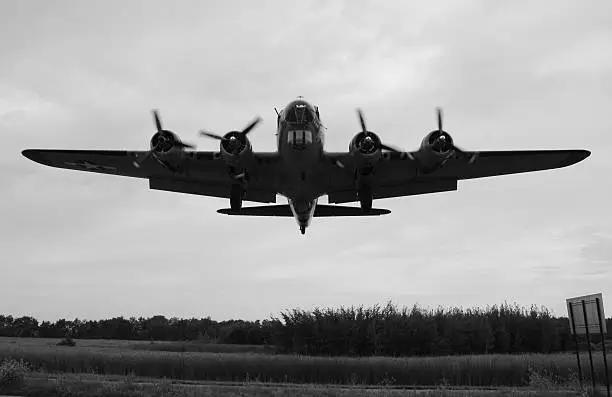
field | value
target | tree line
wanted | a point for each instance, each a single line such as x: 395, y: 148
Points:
x: 354, y: 331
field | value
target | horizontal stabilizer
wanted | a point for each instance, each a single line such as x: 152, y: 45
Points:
x: 320, y: 211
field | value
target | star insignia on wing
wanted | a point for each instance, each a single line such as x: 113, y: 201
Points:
x: 89, y: 166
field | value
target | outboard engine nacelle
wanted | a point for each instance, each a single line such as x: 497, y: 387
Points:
x: 163, y: 141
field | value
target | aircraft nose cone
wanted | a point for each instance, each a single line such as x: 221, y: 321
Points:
x: 368, y: 142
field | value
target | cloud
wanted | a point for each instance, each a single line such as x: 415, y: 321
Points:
x: 509, y: 76
x: 597, y: 255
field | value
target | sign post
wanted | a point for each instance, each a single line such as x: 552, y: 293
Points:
x: 586, y: 316
x: 573, y: 330
x: 603, y: 345
x: 588, y: 338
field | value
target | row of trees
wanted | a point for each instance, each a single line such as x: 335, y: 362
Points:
x: 346, y: 331
x: 153, y: 328
x: 393, y: 332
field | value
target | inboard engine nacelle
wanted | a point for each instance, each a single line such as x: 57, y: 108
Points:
x: 366, y: 148
x: 236, y: 148
x: 435, y: 149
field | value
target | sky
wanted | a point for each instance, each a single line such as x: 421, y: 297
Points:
x: 509, y: 75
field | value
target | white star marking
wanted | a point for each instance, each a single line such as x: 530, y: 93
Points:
x: 88, y: 165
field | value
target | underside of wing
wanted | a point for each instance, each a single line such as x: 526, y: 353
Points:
x: 397, y: 175
x: 220, y: 189
x: 349, y: 194
x: 201, y: 173
x: 114, y: 162
x: 493, y: 163
x: 393, y: 176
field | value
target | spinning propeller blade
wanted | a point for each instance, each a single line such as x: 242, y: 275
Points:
x: 249, y: 127
x: 157, y: 120
x: 211, y: 135
x: 362, y: 121
x: 244, y: 131
x: 366, y: 132
x: 459, y: 151
x: 175, y: 143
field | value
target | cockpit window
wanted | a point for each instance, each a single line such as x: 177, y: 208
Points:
x: 299, y: 114
x: 299, y: 137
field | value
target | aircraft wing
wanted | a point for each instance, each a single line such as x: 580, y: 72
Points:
x: 493, y: 163
x: 194, y: 172
x: 400, y: 175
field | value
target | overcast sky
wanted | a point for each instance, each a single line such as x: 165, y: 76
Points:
x: 509, y: 75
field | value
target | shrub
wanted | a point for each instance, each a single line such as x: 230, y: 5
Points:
x: 12, y: 374
x: 67, y: 341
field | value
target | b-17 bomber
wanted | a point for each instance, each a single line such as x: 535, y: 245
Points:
x: 301, y: 170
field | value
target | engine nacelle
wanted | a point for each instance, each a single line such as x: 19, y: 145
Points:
x: 164, y: 141
x: 236, y: 149
x: 435, y: 149
x: 366, y: 148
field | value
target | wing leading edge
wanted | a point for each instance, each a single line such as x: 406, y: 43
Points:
x: 190, y: 172
x: 494, y: 163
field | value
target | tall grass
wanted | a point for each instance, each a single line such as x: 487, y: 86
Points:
x: 94, y: 386
x: 204, y: 347
x: 483, y: 370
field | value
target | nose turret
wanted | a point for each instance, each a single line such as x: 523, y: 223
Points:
x: 299, y: 112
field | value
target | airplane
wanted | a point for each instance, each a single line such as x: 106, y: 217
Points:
x: 301, y: 170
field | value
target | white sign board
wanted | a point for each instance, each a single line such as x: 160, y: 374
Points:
x: 592, y: 319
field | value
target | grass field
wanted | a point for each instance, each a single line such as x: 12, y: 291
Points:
x: 122, y: 345
x: 198, y: 347
x: 106, y: 357
x: 75, y: 385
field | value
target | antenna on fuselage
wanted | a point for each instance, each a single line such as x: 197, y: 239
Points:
x: 277, y: 113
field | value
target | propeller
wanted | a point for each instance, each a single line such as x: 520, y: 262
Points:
x: 368, y: 141
x: 162, y: 138
x: 233, y: 138
x: 158, y: 123
x: 245, y: 131
x: 443, y: 141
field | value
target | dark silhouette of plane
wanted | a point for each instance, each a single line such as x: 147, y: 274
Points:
x: 301, y: 170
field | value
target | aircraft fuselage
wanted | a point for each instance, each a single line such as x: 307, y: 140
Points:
x: 300, y: 142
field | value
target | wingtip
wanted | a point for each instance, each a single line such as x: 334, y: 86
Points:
x: 574, y: 156
x: 29, y: 154
x: 579, y: 155
x: 36, y: 155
